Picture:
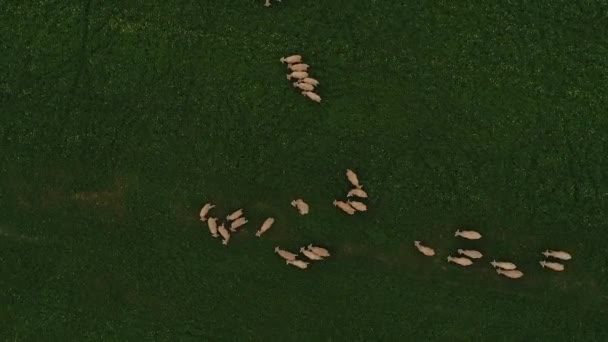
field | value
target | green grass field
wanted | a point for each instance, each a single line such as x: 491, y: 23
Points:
x: 119, y: 119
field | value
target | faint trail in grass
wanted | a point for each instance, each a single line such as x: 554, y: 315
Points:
x: 82, y: 53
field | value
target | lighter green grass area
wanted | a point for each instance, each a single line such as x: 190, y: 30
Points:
x: 119, y: 119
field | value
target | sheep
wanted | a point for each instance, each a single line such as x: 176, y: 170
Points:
x: 428, y: 251
x: 556, y: 266
x: 291, y: 59
x: 237, y: 223
x: 297, y: 263
x: 224, y: 233
x: 353, y: 179
x: 320, y: 251
x: 212, y: 223
x: 265, y: 226
x: 513, y: 274
x: 357, y: 205
x: 298, y: 67
x: 313, y: 96
x: 205, y: 210
x: 304, y: 86
x: 345, y: 207
x: 310, y: 255
x: 503, y: 264
x: 235, y: 215
x: 462, y: 261
x: 470, y: 253
x: 310, y: 81
x: 302, y: 207
x: 297, y: 74
x: 285, y: 254
x: 468, y: 234
x: 557, y: 254
x: 357, y: 192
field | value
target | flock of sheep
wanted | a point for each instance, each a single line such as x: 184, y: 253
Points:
x: 237, y: 220
x: 314, y: 253
x: 299, y: 71
x: 505, y: 268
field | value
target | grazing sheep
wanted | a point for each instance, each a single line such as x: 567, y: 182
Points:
x: 212, y: 223
x: 224, y: 233
x: 285, y: 254
x: 298, y: 67
x: 503, y: 264
x: 304, y: 86
x: 556, y: 266
x: 470, y: 253
x: 297, y: 74
x: 291, y: 59
x: 468, y: 234
x: 319, y: 251
x: 205, y: 210
x: 345, y: 207
x: 235, y: 215
x: 310, y: 255
x: 357, y: 205
x: 302, y: 207
x: 297, y: 263
x: 353, y: 179
x: 237, y: 223
x: 428, y: 251
x: 310, y: 81
x: 557, y: 254
x: 313, y: 96
x: 265, y: 226
x: 462, y: 261
x: 357, y: 192
x: 513, y: 274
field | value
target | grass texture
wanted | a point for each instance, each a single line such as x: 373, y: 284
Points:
x: 119, y: 119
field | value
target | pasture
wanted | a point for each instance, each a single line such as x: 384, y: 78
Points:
x: 120, y: 119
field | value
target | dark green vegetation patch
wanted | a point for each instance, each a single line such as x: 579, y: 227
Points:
x: 119, y: 119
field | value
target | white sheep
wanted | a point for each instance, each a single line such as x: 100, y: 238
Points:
x: 224, y: 233
x: 212, y: 224
x: 237, y: 223
x: 353, y: 179
x: 291, y: 59
x: 205, y: 210
x: 310, y: 254
x: 468, y: 234
x: 513, y: 274
x: 357, y: 205
x: 428, y: 251
x: 470, y: 253
x: 285, y: 254
x: 357, y: 192
x: 302, y: 206
x: 304, y: 86
x: 556, y: 266
x: 319, y: 251
x: 503, y: 264
x: 345, y: 207
x: 298, y: 67
x: 462, y: 261
x: 297, y: 263
x: 310, y: 81
x: 557, y: 254
x: 313, y: 96
x: 235, y: 215
x: 265, y: 226
x: 297, y: 74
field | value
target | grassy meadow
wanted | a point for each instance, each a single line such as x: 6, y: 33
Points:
x: 120, y: 119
